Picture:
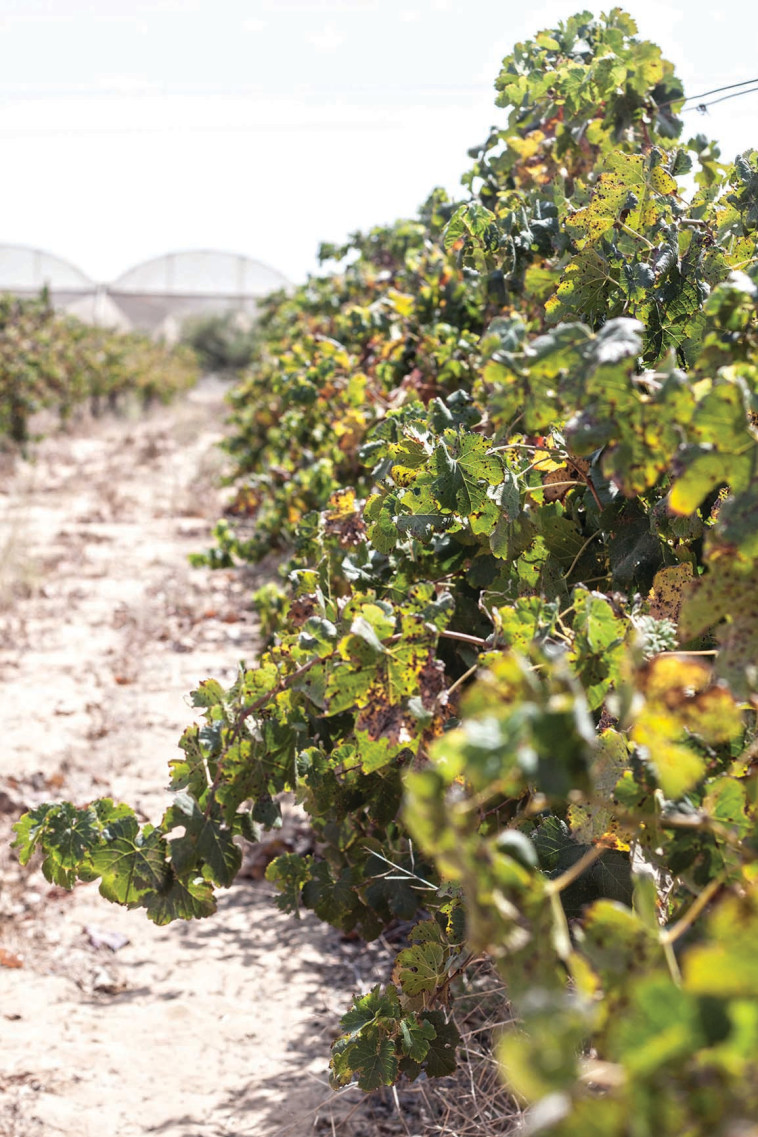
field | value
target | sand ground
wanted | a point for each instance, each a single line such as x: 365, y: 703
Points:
x: 216, y: 1027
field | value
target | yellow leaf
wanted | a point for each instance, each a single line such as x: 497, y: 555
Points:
x: 662, y: 181
x: 677, y: 768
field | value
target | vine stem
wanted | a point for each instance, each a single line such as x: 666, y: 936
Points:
x: 477, y: 641
x: 282, y: 685
x: 593, y: 491
x: 555, y: 485
x: 522, y: 446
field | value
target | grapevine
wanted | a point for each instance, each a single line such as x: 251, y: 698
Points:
x: 54, y: 362
x: 508, y: 452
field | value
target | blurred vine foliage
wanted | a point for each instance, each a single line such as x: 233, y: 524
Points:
x: 508, y: 451
x: 50, y: 361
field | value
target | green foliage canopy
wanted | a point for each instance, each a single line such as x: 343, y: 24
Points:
x: 51, y: 361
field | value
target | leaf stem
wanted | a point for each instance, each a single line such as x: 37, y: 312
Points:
x: 672, y: 934
x: 462, y: 678
x: 577, y: 558
x: 709, y: 651
x: 671, y: 962
x: 638, y: 236
x: 576, y: 870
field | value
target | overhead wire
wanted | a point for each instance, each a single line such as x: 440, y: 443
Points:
x: 701, y: 105
x: 718, y: 90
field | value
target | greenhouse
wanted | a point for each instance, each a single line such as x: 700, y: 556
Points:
x: 154, y: 296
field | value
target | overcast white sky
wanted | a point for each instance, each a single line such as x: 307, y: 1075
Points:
x: 129, y: 129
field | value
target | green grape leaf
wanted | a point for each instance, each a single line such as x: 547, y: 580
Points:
x: 131, y: 863
x: 71, y: 834
x: 463, y: 469
x: 289, y: 872
x: 725, y: 964
x: 617, y: 942
x: 372, y: 1057
x: 416, y: 1037
x: 660, y: 1025
x: 441, y: 1057
x: 376, y: 1007
x: 30, y: 830
x: 182, y: 899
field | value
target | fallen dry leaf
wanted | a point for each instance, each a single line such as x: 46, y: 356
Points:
x: 10, y: 959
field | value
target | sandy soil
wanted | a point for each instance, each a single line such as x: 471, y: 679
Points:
x: 216, y: 1027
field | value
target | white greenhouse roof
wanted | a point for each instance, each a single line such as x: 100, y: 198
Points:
x: 26, y: 269
x: 200, y: 272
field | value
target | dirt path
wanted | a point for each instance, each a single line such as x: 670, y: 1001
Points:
x: 217, y: 1027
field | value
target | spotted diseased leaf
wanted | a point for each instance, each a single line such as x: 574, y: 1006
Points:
x: 726, y: 594
x: 682, y: 703
x: 384, y: 731
x: 421, y: 969
x: 646, y: 433
x: 670, y: 586
x: 609, y: 197
x: 662, y: 181
x: 592, y: 822
x: 350, y: 683
x: 590, y: 284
